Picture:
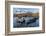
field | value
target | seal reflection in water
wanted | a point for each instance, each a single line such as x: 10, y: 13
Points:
x: 26, y: 22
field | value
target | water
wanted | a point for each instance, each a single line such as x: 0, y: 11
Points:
x: 27, y: 23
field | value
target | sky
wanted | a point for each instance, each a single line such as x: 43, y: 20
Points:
x: 25, y: 10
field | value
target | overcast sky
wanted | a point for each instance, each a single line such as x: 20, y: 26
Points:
x: 25, y: 10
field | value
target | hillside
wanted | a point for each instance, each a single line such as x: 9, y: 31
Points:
x: 27, y: 14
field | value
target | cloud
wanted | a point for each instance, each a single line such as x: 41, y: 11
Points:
x: 25, y: 10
